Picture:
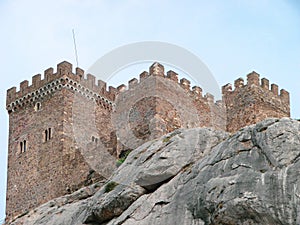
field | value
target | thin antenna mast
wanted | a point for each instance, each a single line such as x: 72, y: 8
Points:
x: 76, y: 55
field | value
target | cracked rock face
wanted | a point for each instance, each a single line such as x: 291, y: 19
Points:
x: 197, y: 176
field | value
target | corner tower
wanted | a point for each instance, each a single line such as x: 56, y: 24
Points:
x: 44, y: 158
x: 253, y: 102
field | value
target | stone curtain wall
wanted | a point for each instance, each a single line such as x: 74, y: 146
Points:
x: 91, y: 126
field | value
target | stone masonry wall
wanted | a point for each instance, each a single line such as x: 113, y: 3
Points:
x: 33, y: 175
x: 57, y: 166
x: 158, y: 103
x: 252, y: 102
x: 91, y: 126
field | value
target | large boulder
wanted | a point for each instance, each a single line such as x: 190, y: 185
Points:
x: 196, y: 176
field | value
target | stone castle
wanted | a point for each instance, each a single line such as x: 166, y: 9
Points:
x: 54, y: 119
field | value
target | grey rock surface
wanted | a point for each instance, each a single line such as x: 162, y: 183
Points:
x: 197, y: 176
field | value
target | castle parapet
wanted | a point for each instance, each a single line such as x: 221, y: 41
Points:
x: 121, y: 88
x: 48, y: 74
x: 285, y: 95
x: 157, y: 69
x: 11, y: 95
x: 91, y: 79
x: 210, y: 98
x: 64, y: 77
x: 79, y: 72
x: 197, y: 91
x: 185, y: 84
x: 132, y: 83
x: 36, y: 80
x: 265, y: 83
x: 24, y: 86
x: 252, y: 102
x: 144, y: 75
x: 64, y: 68
x: 102, y: 85
x: 253, y: 79
x: 239, y: 83
x: 226, y: 89
x: 274, y: 89
x: 172, y: 76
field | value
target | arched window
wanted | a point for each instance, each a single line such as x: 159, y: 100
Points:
x: 37, y: 106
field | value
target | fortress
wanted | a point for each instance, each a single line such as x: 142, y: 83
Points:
x: 59, y: 124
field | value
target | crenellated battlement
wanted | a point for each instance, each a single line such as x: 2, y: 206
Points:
x: 253, y: 101
x: 77, y: 81
x: 96, y: 90
x: 157, y: 69
x: 54, y: 81
x: 254, y: 81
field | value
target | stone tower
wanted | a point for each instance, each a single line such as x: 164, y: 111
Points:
x: 45, y: 157
x: 253, y: 102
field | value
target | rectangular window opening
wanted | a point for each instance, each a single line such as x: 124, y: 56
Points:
x: 46, y: 135
x: 49, y: 134
x: 21, y: 146
x: 24, y: 146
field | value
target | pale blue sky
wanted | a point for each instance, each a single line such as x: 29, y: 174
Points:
x: 231, y: 37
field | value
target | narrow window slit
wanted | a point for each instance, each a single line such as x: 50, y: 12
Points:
x: 49, y: 134
x: 46, y: 135
x: 24, y: 146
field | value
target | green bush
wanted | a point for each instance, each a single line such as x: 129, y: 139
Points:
x: 123, y: 158
x: 110, y: 186
x: 167, y: 139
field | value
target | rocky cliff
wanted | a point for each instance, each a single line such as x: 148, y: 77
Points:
x: 197, y: 176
